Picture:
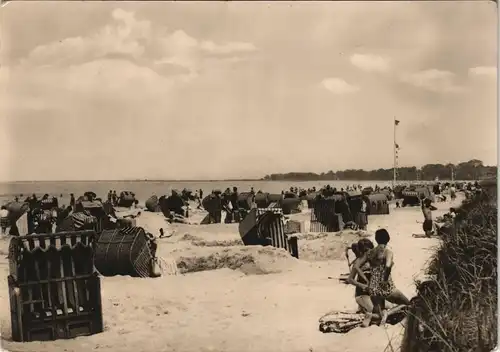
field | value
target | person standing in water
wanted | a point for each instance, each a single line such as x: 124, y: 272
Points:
x: 427, y: 209
x: 380, y: 285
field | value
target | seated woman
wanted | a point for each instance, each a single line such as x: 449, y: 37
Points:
x: 380, y: 286
x: 361, y: 293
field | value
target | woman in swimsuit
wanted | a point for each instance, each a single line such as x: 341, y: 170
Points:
x: 380, y: 287
x: 361, y: 293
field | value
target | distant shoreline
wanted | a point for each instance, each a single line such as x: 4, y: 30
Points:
x: 144, y: 180
x: 230, y: 180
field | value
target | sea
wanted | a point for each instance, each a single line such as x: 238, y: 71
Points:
x: 145, y: 189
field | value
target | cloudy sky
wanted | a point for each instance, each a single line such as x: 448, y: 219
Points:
x: 123, y: 90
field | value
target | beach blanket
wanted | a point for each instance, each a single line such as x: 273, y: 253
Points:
x: 340, y: 322
x: 343, y: 322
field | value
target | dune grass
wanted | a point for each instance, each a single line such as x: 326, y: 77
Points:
x: 456, y: 309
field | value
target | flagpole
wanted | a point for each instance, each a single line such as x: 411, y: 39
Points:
x: 394, y: 151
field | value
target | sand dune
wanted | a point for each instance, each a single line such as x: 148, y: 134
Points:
x: 252, y: 298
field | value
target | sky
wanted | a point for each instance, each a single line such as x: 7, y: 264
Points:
x: 216, y: 90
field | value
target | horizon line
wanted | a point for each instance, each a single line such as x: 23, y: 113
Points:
x: 224, y: 180
x: 139, y: 180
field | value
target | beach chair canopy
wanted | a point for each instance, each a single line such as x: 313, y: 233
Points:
x: 353, y: 194
x: 260, y: 197
x: 312, y: 195
x: 422, y: 192
x: 288, y: 195
x: 91, y: 205
x: 16, y: 210
x: 376, y: 197
x: 90, y: 194
x: 274, y: 197
x: 127, y: 194
x: 385, y: 191
x: 399, y: 188
x: 336, y: 198
x: 367, y: 190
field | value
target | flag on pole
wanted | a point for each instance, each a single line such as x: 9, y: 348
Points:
x: 396, y: 122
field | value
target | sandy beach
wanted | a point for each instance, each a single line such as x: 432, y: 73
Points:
x: 254, y: 299
x: 148, y: 99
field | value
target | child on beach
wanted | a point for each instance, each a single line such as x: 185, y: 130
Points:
x: 361, y: 293
x: 354, y: 248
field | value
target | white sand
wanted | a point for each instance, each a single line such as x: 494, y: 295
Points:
x: 272, y: 304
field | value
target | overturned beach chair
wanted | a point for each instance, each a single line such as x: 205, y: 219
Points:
x: 126, y: 251
x: 54, y: 291
x: 265, y: 227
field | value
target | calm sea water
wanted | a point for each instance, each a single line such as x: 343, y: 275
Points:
x: 145, y: 189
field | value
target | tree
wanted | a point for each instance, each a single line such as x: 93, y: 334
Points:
x: 470, y: 170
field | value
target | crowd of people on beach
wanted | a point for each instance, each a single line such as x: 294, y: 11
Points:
x: 46, y: 212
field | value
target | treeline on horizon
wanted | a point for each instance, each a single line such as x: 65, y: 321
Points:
x: 470, y: 170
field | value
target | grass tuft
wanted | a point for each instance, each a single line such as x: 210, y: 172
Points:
x: 456, y: 309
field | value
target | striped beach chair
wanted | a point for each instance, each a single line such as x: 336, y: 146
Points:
x: 324, y: 218
x: 271, y: 227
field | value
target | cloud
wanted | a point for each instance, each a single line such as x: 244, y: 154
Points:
x: 338, y: 86
x: 119, y: 82
x: 125, y: 62
x: 489, y: 71
x: 126, y: 36
x: 139, y: 41
x: 133, y: 86
x: 228, y: 48
x: 433, y: 80
x: 369, y: 62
